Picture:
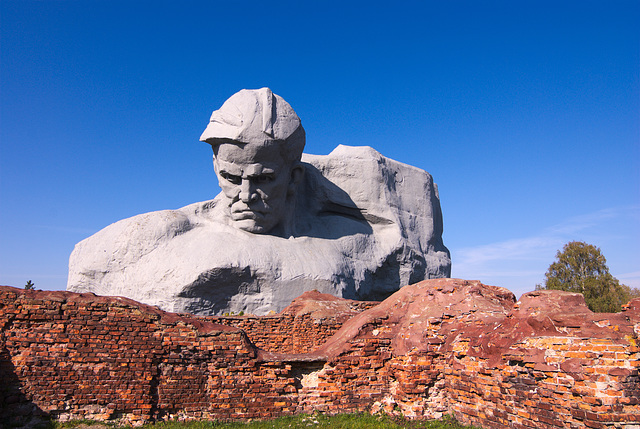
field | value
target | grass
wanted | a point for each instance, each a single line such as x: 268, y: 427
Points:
x: 314, y: 421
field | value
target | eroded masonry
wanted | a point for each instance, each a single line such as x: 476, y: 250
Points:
x: 442, y: 346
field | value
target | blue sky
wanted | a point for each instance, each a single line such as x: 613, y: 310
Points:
x: 527, y: 114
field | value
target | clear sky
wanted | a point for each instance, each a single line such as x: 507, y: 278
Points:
x: 526, y: 113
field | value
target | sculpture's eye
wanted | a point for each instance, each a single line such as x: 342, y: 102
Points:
x: 262, y: 178
x: 236, y: 180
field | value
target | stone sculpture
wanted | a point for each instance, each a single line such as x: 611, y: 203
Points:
x: 353, y: 224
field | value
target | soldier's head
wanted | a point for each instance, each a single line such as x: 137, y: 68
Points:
x: 257, y: 142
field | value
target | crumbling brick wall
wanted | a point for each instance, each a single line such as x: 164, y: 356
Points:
x: 556, y: 381
x: 545, y: 382
x: 283, y: 334
x: 79, y: 356
x: 302, y: 327
x: 442, y: 346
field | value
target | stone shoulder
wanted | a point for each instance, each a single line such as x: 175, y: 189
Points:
x: 125, y: 242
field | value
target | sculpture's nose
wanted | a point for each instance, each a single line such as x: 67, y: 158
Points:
x: 247, y: 192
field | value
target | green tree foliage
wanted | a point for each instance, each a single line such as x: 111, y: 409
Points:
x: 29, y: 285
x: 581, y: 268
x: 633, y: 292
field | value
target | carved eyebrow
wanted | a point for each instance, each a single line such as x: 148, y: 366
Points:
x: 249, y: 172
x: 263, y: 173
x: 233, y: 170
x: 262, y: 178
x: 230, y: 177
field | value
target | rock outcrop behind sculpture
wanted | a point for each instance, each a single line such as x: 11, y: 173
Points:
x: 364, y: 224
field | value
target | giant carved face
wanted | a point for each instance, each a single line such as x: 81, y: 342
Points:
x: 256, y: 181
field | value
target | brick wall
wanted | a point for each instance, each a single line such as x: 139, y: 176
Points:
x: 283, y: 334
x: 301, y: 327
x: 471, y: 351
x: 579, y: 382
x: 78, y: 356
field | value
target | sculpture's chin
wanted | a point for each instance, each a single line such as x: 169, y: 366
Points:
x: 250, y: 225
x: 255, y: 222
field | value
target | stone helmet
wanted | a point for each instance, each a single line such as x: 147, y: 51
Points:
x: 255, y: 116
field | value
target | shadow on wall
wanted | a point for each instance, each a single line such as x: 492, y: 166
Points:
x: 15, y: 408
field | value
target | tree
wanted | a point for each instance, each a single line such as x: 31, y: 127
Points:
x: 29, y: 285
x: 582, y: 268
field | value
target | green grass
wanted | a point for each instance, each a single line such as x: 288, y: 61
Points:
x: 319, y: 421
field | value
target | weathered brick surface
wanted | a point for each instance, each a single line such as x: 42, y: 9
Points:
x: 79, y: 356
x: 302, y: 327
x: 442, y: 346
x: 283, y: 334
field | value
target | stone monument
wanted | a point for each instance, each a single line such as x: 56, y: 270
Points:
x: 353, y: 224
